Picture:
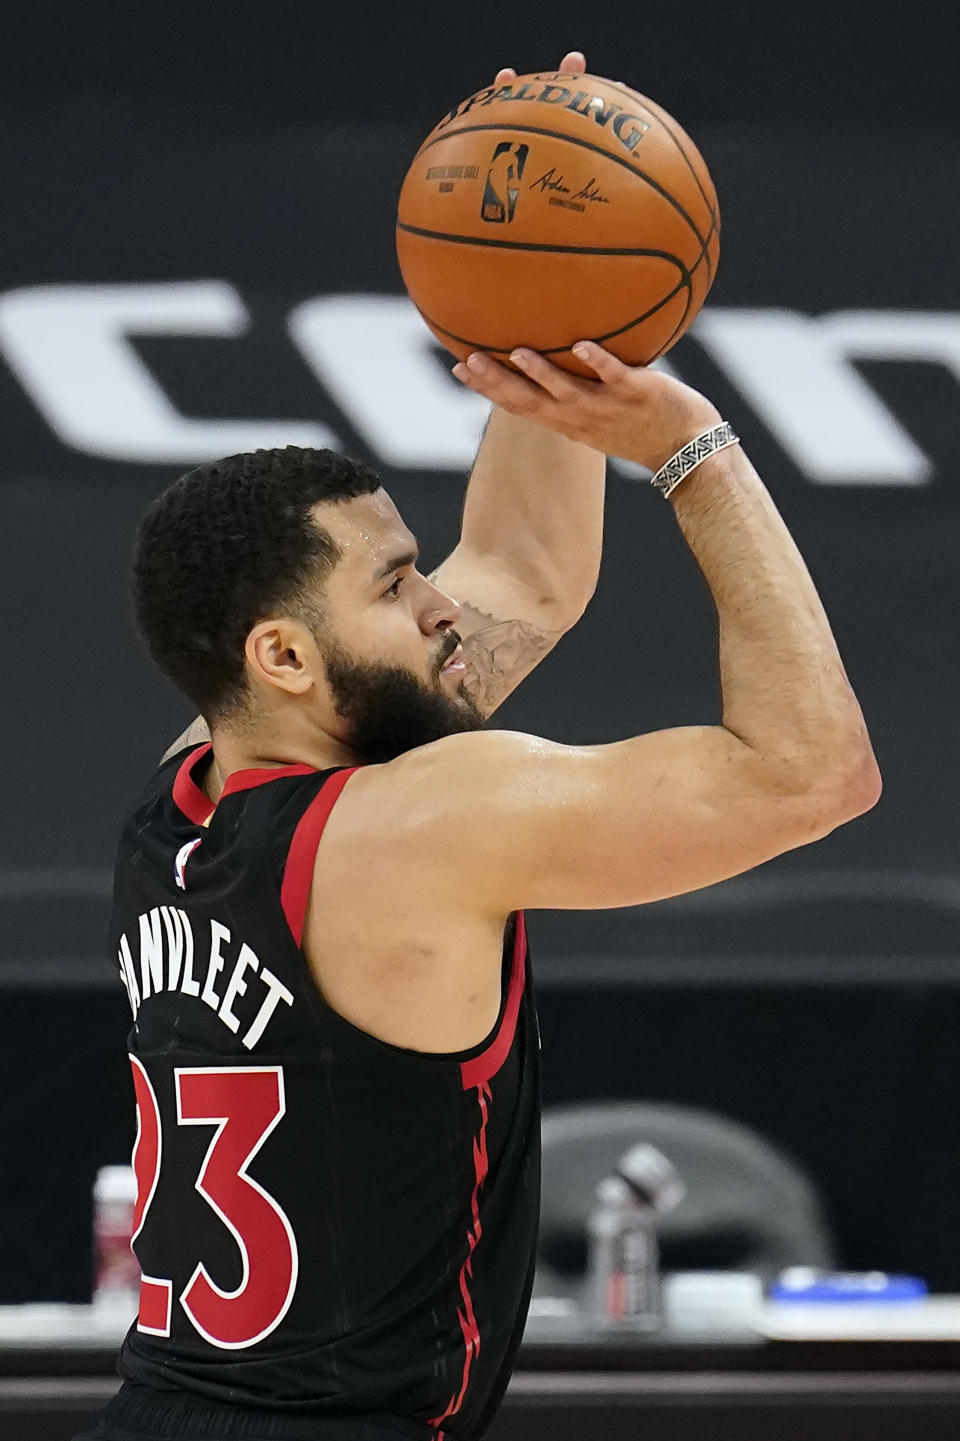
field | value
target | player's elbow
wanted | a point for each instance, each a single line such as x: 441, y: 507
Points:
x: 842, y: 788
x: 865, y: 782
x: 861, y: 784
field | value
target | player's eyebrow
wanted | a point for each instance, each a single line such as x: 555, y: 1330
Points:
x: 396, y: 562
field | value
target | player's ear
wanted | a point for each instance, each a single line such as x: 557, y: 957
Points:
x: 281, y: 653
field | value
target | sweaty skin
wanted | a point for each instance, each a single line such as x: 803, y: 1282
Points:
x: 451, y: 837
x: 437, y: 847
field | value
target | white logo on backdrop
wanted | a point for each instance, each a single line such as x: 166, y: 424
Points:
x: 69, y: 347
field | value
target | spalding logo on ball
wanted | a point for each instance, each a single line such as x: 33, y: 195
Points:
x: 554, y: 209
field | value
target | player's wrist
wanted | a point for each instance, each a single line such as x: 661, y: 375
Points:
x: 680, y: 415
x: 687, y: 427
x: 690, y: 456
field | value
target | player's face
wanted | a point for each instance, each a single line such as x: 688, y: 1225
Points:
x: 389, y: 642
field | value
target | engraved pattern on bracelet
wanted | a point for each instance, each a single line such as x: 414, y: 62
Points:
x: 679, y: 466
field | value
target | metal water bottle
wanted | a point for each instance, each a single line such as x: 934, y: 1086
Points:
x: 623, y: 1271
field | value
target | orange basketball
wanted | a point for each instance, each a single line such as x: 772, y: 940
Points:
x: 554, y: 209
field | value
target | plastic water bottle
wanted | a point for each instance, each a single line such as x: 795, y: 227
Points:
x: 116, y: 1273
x: 623, y: 1272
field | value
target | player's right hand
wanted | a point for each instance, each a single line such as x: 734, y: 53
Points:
x: 629, y: 411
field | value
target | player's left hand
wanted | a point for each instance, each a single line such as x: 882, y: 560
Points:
x: 573, y: 63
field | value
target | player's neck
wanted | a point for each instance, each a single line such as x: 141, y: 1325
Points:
x: 254, y: 750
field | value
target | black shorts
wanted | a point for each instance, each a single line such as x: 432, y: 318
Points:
x: 139, y: 1414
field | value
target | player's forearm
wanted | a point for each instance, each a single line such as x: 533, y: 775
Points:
x: 534, y: 506
x: 785, y: 691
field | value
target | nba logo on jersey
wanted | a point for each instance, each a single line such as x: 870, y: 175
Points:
x: 181, y: 861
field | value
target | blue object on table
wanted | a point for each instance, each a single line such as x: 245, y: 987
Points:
x: 804, y: 1286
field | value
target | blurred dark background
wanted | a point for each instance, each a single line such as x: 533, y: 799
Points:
x: 187, y: 190
x: 879, y: 69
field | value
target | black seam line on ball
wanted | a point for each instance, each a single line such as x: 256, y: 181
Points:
x: 490, y: 242
x: 645, y: 104
x: 571, y: 140
x: 705, y: 251
x: 678, y: 329
x: 685, y: 283
x: 560, y: 349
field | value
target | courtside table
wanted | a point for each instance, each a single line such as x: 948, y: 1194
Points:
x: 854, y: 1378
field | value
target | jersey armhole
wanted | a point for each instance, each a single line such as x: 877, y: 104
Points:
x: 480, y: 1069
x: 301, y: 856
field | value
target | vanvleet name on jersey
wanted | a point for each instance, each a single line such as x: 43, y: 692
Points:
x: 172, y: 956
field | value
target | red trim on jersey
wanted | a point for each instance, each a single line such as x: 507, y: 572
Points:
x: 482, y: 1068
x: 478, y: 1073
x: 246, y: 780
x: 197, y: 805
x: 465, y: 1315
x: 298, y: 872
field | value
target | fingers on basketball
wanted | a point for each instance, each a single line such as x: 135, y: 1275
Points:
x: 507, y: 389
x: 557, y: 383
x: 495, y: 381
x: 573, y: 63
x: 607, y: 367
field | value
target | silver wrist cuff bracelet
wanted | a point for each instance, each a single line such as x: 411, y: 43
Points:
x: 689, y: 456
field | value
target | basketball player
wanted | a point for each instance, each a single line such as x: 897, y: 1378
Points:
x: 319, y: 912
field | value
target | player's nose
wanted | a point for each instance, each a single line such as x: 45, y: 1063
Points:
x: 440, y: 611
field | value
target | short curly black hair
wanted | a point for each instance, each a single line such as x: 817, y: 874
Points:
x: 226, y: 545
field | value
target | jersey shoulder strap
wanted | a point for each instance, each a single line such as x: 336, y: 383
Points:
x: 272, y: 816
x: 302, y: 848
x: 283, y: 808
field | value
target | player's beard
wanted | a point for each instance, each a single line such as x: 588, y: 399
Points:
x: 389, y: 709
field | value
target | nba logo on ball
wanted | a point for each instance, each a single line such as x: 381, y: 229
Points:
x: 503, y: 182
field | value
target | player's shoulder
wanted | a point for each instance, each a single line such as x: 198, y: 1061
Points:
x: 486, y: 747
x: 462, y: 756
x: 149, y: 806
x: 458, y: 773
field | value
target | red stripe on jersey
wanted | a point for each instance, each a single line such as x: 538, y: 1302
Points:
x: 195, y: 804
x: 465, y: 1315
x: 298, y: 872
x: 484, y: 1067
x: 246, y: 780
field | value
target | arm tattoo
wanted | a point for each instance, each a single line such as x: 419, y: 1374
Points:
x: 501, y: 653
x: 196, y: 733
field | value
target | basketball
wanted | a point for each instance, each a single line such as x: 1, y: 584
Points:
x: 553, y: 209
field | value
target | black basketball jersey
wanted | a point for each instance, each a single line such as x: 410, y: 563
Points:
x: 328, y: 1226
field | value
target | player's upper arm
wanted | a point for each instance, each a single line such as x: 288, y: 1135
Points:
x: 525, y: 822
x: 506, y: 628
